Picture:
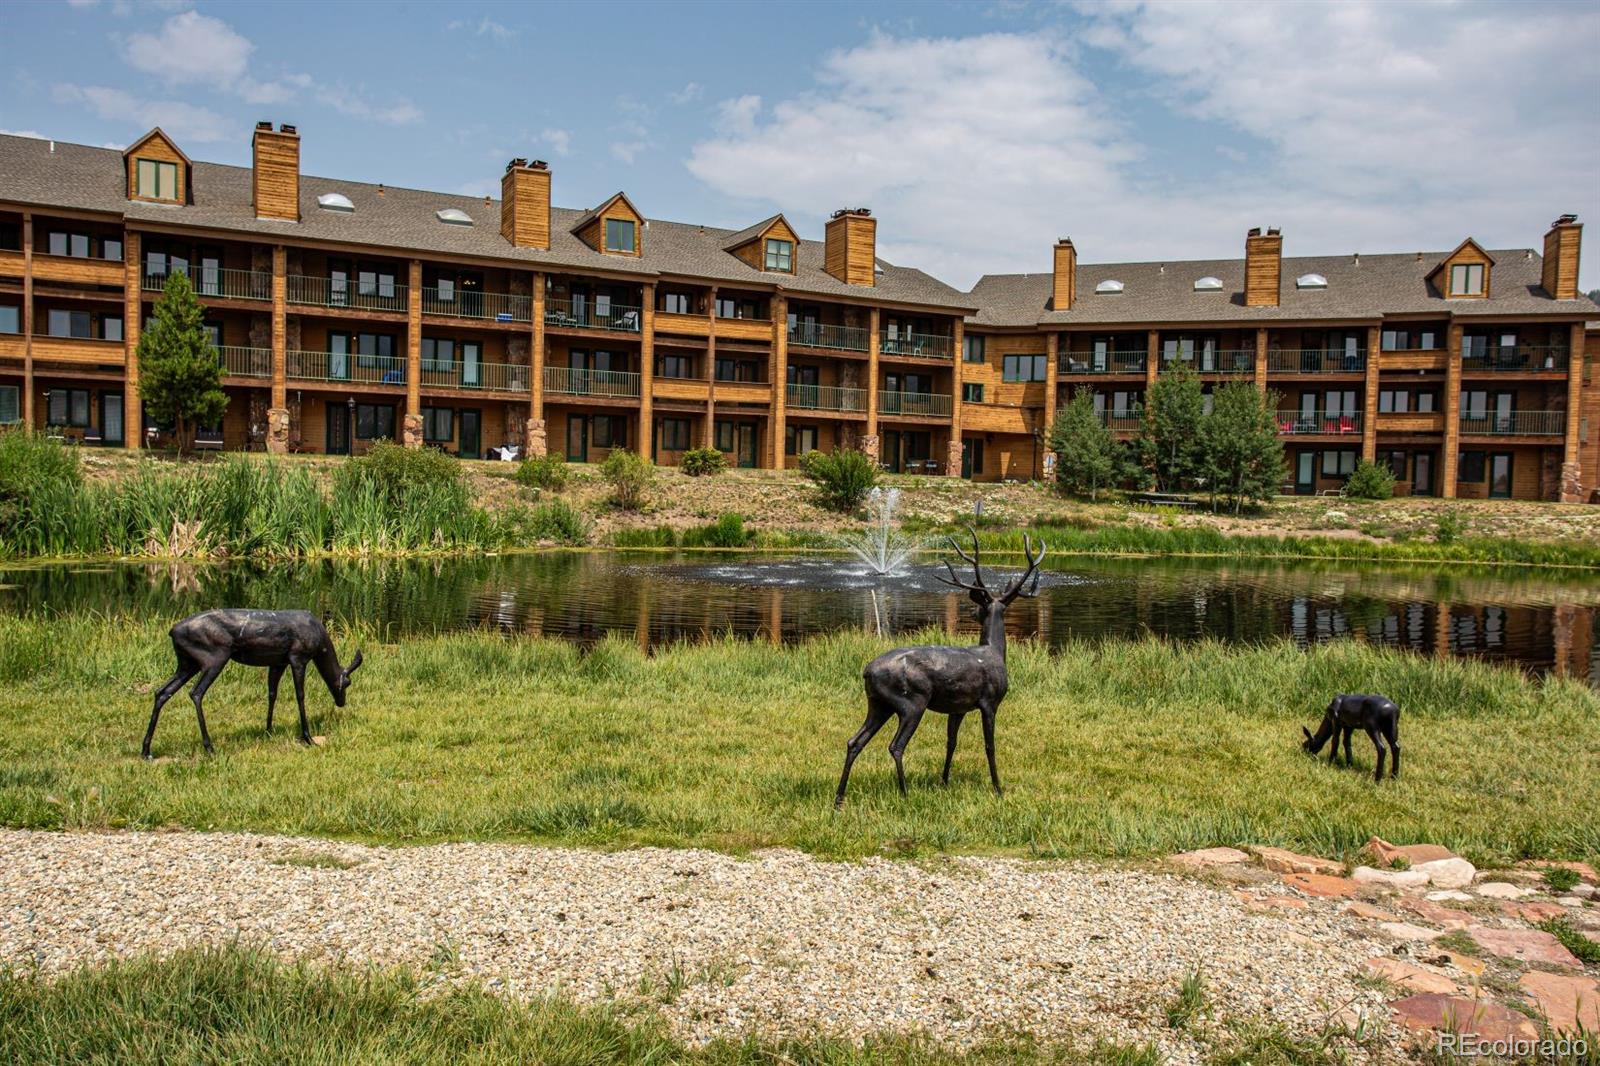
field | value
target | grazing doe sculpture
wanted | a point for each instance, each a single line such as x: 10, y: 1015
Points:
x: 205, y: 642
x: 1377, y: 716
x: 906, y: 682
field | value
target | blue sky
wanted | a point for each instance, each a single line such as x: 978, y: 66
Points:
x: 977, y: 132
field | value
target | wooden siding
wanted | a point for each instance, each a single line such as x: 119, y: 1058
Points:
x: 275, y: 178
x: 1263, y: 269
x: 754, y: 251
x: 1433, y: 361
x: 692, y: 325
x: 1467, y: 253
x: 12, y: 264
x: 1003, y: 401
x: 525, y: 207
x: 1064, y: 290
x: 78, y: 271
x: 156, y: 145
x: 618, y: 207
x: 1560, y: 266
x: 850, y: 249
x: 75, y: 350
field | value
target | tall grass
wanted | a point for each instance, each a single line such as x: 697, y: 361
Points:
x: 1115, y: 748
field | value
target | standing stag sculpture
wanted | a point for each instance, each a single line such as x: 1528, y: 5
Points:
x: 907, y: 682
x: 205, y: 642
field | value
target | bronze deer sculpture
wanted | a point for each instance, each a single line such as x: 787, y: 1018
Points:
x: 907, y: 682
x: 205, y: 643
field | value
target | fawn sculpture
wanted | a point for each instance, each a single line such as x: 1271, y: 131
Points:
x: 205, y: 642
x: 1377, y: 716
x: 907, y: 682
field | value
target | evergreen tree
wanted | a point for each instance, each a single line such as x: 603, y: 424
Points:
x: 180, y: 376
x: 1088, y: 457
x: 1241, y: 453
x: 1169, y: 442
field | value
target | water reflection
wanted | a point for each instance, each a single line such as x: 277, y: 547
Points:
x: 1541, y: 620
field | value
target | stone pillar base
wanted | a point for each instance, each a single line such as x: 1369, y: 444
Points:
x: 871, y: 445
x: 411, y: 431
x: 278, y: 430
x: 1571, y: 483
x: 952, y: 465
x: 536, y: 443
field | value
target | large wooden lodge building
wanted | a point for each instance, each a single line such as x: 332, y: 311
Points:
x: 345, y: 312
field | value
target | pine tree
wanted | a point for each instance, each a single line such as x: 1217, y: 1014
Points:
x: 1242, y: 456
x: 1088, y: 457
x: 1170, y: 438
x: 180, y: 376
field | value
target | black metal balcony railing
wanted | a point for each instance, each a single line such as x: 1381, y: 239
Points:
x: 470, y: 303
x: 1131, y: 361
x: 913, y: 403
x: 490, y: 377
x: 346, y: 292
x: 606, y: 384
x: 346, y: 366
x: 923, y: 345
x: 1226, y: 361
x: 1512, y: 358
x: 827, y: 398
x: 218, y: 282
x: 245, y: 362
x: 1123, y: 421
x: 1319, y: 423
x: 1316, y: 361
x: 591, y: 314
x: 837, y: 338
x: 1514, y: 423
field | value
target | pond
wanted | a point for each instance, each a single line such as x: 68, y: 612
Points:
x: 1541, y: 621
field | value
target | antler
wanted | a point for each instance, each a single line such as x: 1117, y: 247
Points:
x: 1016, y: 588
x: 977, y: 571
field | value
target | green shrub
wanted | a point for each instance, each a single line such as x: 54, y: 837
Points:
x: 548, y: 471
x: 843, y: 477
x: 399, y: 472
x: 703, y: 461
x: 1561, y: 879
x: 556, y: 521
x: 726, y: 532
x: 647, y: 537
x: 1370, y: 481
x: 1447, y: 528
x: 33, y: 468
x: 630, y: 476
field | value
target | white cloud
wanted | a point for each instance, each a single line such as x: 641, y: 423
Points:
x: 484, y: 27
x: 348, y: 101
x: 1368, y: 129
x: 689, y: 93
x: 191, y: 48
x: 627, y: 151
x: 560, y: 141
x: 184, y: 121
x: 35, y: 134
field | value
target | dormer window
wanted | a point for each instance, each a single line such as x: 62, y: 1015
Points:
x: 1466, y: 279
x: 156, y: 179
x: 780, y: 255
x: 621, y: 235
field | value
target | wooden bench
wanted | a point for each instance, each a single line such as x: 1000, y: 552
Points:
x: 1164, y: 499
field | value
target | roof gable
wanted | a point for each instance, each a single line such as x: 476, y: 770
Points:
x: 1468, y: 251
x: 749, y: 245
x: 590, y: 228
x: 160, y: 148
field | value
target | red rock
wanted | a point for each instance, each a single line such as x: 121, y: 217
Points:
x: 1524, y: 945
x: 1433, y: 1011
x: 1449, y: 917
x: 1288, y: 862
x: 1209, y: 857
x: 1414, y: 853
x: 1367, y: 910
x: 1566, y: 1002
x: 1535, y: 912
x: 1582, y: 869
x: 1409, y: 975
x: 1322, y: 885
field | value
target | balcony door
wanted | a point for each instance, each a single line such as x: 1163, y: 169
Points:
x: 745, y: 441
x: 471, y: 365
x: 1305, y: 473
x: 1505, y: 414
x: 338, y: 442
x: 577, y: 439
x: 339, y: 357
x: 1500, y: 476
x: 111, y: 418
x: 1422, y: 474
x: 470, y: 443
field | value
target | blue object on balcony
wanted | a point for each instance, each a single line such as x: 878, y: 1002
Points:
x: 503, y: 316
x: 393, y: 377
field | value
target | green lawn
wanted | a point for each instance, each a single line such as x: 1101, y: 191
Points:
x: 1114, y: 749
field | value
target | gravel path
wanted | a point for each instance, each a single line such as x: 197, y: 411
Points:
x: 780, y: 942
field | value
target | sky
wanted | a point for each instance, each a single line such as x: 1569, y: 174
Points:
x: 978, y: 133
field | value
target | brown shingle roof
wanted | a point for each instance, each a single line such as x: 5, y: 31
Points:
x: 82, y: 178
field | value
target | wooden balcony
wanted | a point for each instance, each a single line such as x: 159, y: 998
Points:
x: 744, y: 392
x: 691, y: 389
x: 478, y: 306
x: 745, y: 329
x: 909, y: 345
x: 828, y: 338
x: 1513, y: 424
x: 218, y: 283
x: 1293, y: 361
x: 827, y: 398
x: 1319, y: 424
x: 12, y: 264
x: 1119, y: 362
x: 78, y: 270
x: 688, y: 325
x: 1226, y: 361
x: 1515, y: 359
x: 591, y: 314
x: 1421, y: 359
x: 245, y: 362
x: 460, y: 376
x: 79, y: 350
x: 346, y: 368
x: 591, y: 384
x: 1410, y: 421
x: 896, y: 404
x: 347, y: 294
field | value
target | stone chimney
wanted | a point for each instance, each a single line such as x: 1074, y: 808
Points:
x: 1561, y: 247
x: 275, y: 172
x: 1065, y: 290
x: 1263, y: 268
x: 525, y: 204
x: 851, y: 246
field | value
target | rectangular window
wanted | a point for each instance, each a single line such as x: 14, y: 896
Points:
x: 438, y: 355
x: 724, y: 435
x: 610, y: 431
x: 157, y: 180
x: 1427, y: 340
x: 70, y: 323
x: 798, y: 440
x: 374, y: 422
x: 1475, y: 403
x: 1425, y: 402
x: 1466, y: 279
x: 727, y: 307
x: 438, y: 424
x: 1471, y: 468
x: 619, y: 235
x: 674, y: 366
x: 1396, y: 463
x: 1023, y: 368
x: 972, y: 348
x: 1338, y: 463
x: 1395, y: 340
x: 69, y: 407
x: 10, y: 318
x: 111, y: 248
x: 971, y: 393
x: 56, y: 243
x: 675, y: 434
x: 11, y: 236
x: 676, y: 303
x: 374, y: 350
x: 111, y: 328
x: 10, y: 404
x: 780, y: 255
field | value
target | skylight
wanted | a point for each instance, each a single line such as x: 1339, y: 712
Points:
x: 333, y: 201
x: 1110, y: 285
x: 452, y: 216
x: 1311, y: 281
x: 1208, y: 284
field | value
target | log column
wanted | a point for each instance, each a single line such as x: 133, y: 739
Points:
x: 411, y: 431
x: 872, y: 444
x: 1369, y: 398
x: 1052, y: 379
x: 780, y: 379
x: 538, y: 441
x: 1571, y: 466
x: 27, y: 323
x: 647, y: 369
x: 278, y: 409
x: 711, y: 373
x: 1261, y: 360
x: 1152, y: 362
x: 954, y: 451
x: 1450, y: 460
